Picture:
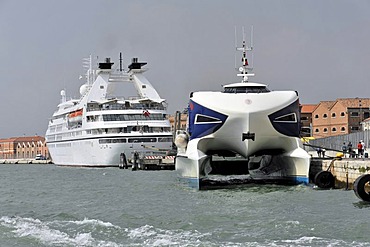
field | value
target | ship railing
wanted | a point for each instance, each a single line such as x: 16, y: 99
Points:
x: 132, y: 107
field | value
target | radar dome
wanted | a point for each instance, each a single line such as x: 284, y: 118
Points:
x: 84, y: 88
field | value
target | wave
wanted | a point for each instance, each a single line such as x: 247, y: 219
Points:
x: 94, y: 232
x: 47, y: 233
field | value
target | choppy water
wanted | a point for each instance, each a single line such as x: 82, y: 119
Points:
x: 45, y: 205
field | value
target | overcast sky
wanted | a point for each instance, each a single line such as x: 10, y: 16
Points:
x: 319, y: 48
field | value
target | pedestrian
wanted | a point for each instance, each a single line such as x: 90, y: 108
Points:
x: 360, y: 151
x: 363, y: 146
x: 344, y: 149
x: 318, y: 150
x: 323, y: 152
x: 350, y: 150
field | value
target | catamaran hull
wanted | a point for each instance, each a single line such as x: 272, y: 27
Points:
x: 262, y: 128
x: 287, y: 168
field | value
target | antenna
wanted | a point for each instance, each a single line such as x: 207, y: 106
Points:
x: 236, y: 48
x: 252, y: 60
x: 120, y: 61
x: 87, y: 64
x: 245, y: 65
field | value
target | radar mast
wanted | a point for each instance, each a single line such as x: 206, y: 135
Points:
x: 245, y: 70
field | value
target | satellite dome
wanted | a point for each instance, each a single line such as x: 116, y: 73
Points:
x: 83, y: 89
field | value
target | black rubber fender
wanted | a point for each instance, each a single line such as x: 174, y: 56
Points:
x: 359, y: 187
x: 324, y: 180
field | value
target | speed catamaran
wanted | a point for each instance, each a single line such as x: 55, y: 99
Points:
x: 118, y: 114
x: 245, y: 120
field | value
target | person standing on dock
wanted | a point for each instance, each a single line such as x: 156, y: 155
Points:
x: 363, y: 146
x: 319, y: 151
x: 350, y: 150
x: 344, y: 149
x: 360, y: 151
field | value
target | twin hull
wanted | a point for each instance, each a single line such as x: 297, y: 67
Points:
x: 263, y: 128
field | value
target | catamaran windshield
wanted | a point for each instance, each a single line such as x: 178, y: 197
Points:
x: 254, y: 89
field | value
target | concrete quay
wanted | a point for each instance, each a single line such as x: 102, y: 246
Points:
x: 24, y: 161
x: 345, y: 171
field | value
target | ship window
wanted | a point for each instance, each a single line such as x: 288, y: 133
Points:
x: 202, y: 119
x: 139, y: 140
x: 165, y: 139
x: 291, y: 117
x: 132, y: 117
x: 120, y: 140
x: 254, y: 89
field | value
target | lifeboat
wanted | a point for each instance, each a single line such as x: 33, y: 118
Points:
x: 75, y: 116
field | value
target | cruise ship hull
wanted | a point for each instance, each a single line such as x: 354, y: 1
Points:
x: 92, y: 153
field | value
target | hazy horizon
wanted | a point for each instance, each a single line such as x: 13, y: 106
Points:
x: 319, y: 48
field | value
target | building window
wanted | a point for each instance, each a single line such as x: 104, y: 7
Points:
x: 317, y: 130
x: 342, y: 114
x: 304, y: 118
x: 334, y: 129
x: 354, y: 114
x: 354, y: 128
x: 333, y: 115
x: 325, y: 115
x: 316, y: 116
x: 343, y: 129
x: 325, y: 130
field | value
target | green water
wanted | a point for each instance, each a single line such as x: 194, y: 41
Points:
x: 45, y: 205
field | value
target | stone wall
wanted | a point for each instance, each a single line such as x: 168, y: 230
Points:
x: 345, y: 171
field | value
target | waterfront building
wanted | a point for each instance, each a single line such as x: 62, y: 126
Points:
x: 339, y: 117
x: 26, y: 147
x: 178, y: 121
x: 365, y: 124
x: 306, y: 119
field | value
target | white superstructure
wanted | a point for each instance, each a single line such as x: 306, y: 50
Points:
x: 245, y: 120
x: 106, y: 125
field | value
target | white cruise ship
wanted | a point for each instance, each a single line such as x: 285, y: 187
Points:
x: 103, y: 128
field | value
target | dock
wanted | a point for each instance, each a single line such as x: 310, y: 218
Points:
x: 345, y: 171
x: 25, y: 161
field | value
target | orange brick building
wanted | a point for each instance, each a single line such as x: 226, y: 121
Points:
x: 339, y: 117
x: 23, y: 147
x: 180, y: 125
x: 306, y: 119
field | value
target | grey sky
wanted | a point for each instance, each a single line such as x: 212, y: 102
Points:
x: 319, y: 48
